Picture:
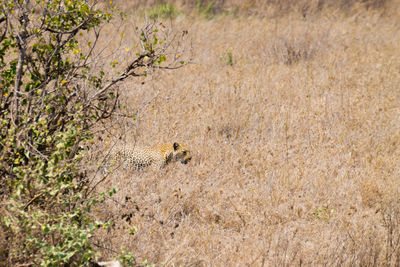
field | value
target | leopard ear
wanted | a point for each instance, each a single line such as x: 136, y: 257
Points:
x: 176, y: 146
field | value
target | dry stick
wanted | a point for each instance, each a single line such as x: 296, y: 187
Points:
x: 5, y: 28
x: 109, y: 249
x: 33, y: 199
x: 130, y: 71
x: 138, y: 111
x: 179, y: 247
x: 100, y: 57
x: 21, y: 40
x: 74, y: 70
x: 256, y: 258
x: 237, y: 210
x: 170, y: 214
x: 166, y: 45
x: 114, y: 144
x: 72, y: 34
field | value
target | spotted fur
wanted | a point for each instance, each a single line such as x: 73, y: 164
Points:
x: 156, y: 157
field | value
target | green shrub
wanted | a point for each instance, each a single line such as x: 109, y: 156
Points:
x: 227, y: 57
x: 50, y: 101
x: 206, y: 8
x: 164, y: 11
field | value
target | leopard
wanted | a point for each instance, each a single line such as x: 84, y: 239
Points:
x: 156, y: 157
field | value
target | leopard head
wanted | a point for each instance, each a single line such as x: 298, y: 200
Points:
x: 181, y: 153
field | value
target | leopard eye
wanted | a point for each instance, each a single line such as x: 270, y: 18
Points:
x: 184, y: 153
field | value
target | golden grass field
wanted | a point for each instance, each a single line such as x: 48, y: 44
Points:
x: 294, y: 126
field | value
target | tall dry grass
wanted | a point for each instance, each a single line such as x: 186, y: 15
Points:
x: 265, y: 8
x: 293, y: 123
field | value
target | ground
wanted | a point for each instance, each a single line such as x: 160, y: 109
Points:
x: 293, y: 123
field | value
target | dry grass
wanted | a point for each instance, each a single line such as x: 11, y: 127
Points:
x: 296, y: 147
x: 264, y: 8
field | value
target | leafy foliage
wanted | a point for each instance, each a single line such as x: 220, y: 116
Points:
x: 163, y: 10
x: 50, y: 100
x: 206, y: 8
x: 227, y: 57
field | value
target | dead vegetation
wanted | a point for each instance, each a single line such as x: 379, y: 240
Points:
x: 295, y: 144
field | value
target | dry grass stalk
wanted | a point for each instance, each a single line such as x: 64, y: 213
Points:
x: 295, y: 147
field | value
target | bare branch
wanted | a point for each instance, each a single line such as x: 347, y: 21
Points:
x: 3, y: 19
x: 22, y: 44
